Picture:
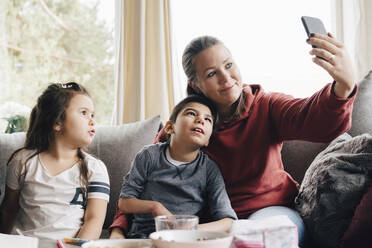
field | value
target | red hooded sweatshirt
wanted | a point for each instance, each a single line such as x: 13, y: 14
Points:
x: 248, y: 150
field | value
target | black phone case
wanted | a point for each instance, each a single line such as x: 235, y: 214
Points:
x: 313, y: 25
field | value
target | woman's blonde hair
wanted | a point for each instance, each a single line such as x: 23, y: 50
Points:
x: 196, y: 46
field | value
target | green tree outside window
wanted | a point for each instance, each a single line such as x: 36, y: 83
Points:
x: 51, y: 41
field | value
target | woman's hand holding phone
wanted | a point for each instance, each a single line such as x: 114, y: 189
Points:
x: 334, y: 58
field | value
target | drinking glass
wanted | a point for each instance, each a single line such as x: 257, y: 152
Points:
x: 176, y: 222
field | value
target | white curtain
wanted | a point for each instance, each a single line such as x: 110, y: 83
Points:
x: 353, y: 25
x: 145, y: 68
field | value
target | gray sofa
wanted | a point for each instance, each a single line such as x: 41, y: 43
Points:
x: 116, y: 146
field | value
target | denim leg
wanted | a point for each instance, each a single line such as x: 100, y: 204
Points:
x: 292, y: 214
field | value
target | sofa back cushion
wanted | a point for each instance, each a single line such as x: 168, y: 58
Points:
x: 8, y: 144
x: 116, y: 146
x: 298, y: 155
x: 362, y: 111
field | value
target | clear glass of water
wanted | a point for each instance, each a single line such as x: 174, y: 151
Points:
x: 176, y: 222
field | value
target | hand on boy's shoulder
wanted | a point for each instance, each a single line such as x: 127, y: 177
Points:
x: 161, y: 136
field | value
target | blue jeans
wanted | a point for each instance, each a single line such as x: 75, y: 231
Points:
x: 292, y: 214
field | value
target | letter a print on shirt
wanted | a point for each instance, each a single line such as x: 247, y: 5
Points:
x: 75, y: 200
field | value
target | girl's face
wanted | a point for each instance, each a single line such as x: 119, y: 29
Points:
x: 77, y: 130
x: 218, y: 77
x: 193, y: 126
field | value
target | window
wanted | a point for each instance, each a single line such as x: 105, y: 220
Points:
x: 46, y: 41
x: 266, y: 39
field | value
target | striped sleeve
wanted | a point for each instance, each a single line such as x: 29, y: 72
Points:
x: 99, y: 184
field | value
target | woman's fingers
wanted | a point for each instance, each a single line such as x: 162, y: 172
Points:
x: 326, y: 43
x: 328, y: 52
x: 324, y: 64
x: 325, y: 55
x: 332, y: 39
x: 316, y: 38
x: 333, y: 57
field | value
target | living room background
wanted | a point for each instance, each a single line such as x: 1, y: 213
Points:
x: 47, y: 41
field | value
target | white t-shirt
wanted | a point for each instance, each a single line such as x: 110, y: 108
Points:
x: 171, y: 160
x: 51, y: 207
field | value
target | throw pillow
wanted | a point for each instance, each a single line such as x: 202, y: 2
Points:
x: 333, y: 186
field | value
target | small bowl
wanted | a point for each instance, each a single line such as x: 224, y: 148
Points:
x: 190, y: 239
x: 118, y: 243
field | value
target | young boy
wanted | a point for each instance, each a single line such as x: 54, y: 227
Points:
x: 177, y: 177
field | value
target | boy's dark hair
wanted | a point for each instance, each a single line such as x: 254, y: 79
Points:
x: 51, y: 109
x: 194, y: 98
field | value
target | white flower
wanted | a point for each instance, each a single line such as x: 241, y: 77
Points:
x: 10, y: 109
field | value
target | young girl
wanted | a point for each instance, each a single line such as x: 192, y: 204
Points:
x: 54, y: 189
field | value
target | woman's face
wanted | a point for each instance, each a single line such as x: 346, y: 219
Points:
x: 218, y: 77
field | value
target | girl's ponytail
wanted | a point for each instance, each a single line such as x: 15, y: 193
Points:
x: 83, y: 168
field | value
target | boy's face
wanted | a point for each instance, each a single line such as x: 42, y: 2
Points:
x: 193, y: 126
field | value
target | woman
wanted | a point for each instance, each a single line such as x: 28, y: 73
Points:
x: 254, y: 124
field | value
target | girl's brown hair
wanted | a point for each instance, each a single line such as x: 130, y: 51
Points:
x: 51, y: 109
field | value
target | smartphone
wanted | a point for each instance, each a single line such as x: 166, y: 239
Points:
x: 313, y: 25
